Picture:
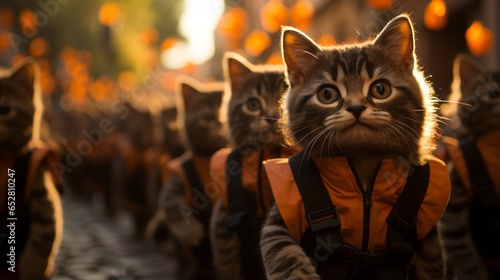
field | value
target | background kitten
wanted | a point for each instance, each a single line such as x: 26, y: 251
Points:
x: 186, y: 219
x: 475, y: 110
x: 251, y: 103
x: 38, y: 204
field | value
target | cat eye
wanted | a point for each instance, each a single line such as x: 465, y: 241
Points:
x: 253, y: 104
x: 328, y: 94
x: 4, y: 110
x: 380, y: 89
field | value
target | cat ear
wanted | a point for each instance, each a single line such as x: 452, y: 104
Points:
x: 189, y: 91
x: 299, y: 53
x: 466, y: 70
x: 24, y: 74
x: 236, y: 69
x: 397, y: 38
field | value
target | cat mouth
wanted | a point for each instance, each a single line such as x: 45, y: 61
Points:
x: 357, y: 124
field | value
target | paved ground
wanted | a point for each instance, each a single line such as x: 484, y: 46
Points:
x: 95, y: 247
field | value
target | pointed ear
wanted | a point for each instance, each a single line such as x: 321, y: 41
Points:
x: 299, y: 53
x: 24, y: 74
x: 466, y: 70
x: 189, y: 93
x: 397, y: 38
x: 236, y: 69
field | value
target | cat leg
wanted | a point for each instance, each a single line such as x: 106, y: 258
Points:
x: 282, y: 255
x: 427, y: 260
x: 225, y: 245
x: 46, y: 227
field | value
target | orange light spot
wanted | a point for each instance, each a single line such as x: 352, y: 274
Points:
x: 436, y: 15
x: 272, y: 15
x: 380, y: 4
x: 301, y: 14
x: 109, y: 13
x: 233, y: 23
x: 39, y: 47
x: 479, y: 38
x: 256, y: 42
x: 127, y: 80
x: 168, y: 43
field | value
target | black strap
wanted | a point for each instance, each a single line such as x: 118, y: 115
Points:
x: 403, y: 217
x: 321, y: 213
x: 478, y: 172
x: 197, y: 186
x: 240, y: 202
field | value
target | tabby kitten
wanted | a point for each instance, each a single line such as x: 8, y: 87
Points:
x: 251, y: 108
x: 367, y: 101
x: 187, y: 213
x: 476, y: 116
x: 38, y: 209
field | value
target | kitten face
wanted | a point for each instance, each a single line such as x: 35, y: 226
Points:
x: 253, y: 100
x: 480, y: 89
x: 202, y: 127
x: 17, y: 108
x: 356, y: 98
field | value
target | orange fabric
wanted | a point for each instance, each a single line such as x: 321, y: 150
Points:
x: 346, y: 195
x: 201, y: 164
x: 489, y: 146
x: 249, y: 174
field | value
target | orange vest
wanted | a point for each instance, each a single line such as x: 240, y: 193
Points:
x: 489, y: 146
x: 201, y: 164
x: 346, y: 195
x: 249, y: 175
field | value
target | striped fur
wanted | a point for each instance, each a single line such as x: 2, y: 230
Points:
x: 20, y: 121
x: 368, y: 101
x: 251, y: 103
x: 476, y: 113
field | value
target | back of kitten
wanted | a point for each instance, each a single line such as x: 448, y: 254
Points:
x: 468, y: 230
x: 37, y: 202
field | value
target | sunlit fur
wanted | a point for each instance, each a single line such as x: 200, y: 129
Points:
x: 21, y: 112
x: 20, y: 95
x: 248, y: 130
x: 401, y: 125
x: 198, y: 108
x: 473, y: 110
x: 245, y: 81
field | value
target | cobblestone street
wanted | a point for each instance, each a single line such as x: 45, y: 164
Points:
x: 95, y: 247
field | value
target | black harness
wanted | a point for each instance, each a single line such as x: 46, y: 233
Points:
x: 22, y: 223
x: 485, y: 206
x: 204, y: 250
x: 322, y: 241
x: 243, y: 217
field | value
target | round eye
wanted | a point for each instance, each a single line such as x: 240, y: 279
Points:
x: 380, y: 90
x: 494, y: 94
x: 4, y: 110
x: 328, y: 94
x: 253, y: 104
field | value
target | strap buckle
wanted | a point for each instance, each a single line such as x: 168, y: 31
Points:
x: 402, y: 219
x: 322, y: 219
